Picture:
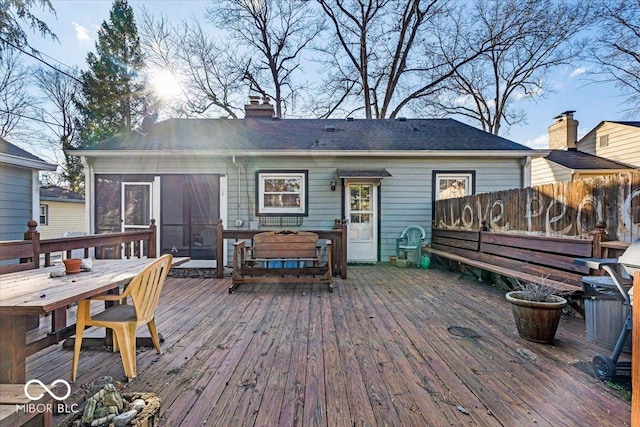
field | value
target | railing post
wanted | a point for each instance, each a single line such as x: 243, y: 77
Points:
x: 599, y: 236
x: 343, y: 250
x: 152, y: 249
x: 219, y: 249
x: 33, y: 235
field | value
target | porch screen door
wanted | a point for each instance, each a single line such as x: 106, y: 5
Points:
x: 362, y: 229
x: 136, y: 206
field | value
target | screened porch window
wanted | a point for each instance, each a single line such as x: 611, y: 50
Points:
x: 282, y: 193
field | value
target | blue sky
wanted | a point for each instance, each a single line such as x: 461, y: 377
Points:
x: 77, y: 22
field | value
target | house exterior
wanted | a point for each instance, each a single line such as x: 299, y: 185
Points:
x: 258, y: 172
x: 19, y: 189
x: 61, y: 211
x: 608, y: 149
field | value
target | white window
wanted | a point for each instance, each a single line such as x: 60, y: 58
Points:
x: 282, y: 193
x: 450, y: 185
x: 604, y: 141
x: 44, y: 214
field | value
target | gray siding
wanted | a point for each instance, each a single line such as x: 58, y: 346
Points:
x: 15, y: 202
x: 406, y: 196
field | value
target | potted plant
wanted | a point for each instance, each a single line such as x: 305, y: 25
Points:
x: 536, y: 310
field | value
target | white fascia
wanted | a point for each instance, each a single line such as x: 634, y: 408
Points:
x: 312, y: 153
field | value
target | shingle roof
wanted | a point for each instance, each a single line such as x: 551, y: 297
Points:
x: 54, y: 192
x: 578, y: 160
x: 14, y: 155
x: 310, y: 134
x: 12, y: 150
x: 635, y: 124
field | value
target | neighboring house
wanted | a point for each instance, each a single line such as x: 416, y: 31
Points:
x: 381, y: 175
x: 61, y: 211
x: 19, y: 194
x: 609, y: 149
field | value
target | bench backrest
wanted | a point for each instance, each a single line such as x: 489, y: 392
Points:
x: 23, y: 250
x: 454, y: 240
x: 557, y: 253
x: 279, y: 244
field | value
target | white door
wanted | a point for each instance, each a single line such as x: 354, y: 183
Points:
x: 136, y: 206
x: 362, y: 229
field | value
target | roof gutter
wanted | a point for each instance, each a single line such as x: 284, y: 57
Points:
x: 311, y: 153
x: 27, y: 163
x: 591, y: 172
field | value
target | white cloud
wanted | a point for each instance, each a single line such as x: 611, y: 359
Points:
x: 541, y: 141
x: 82, y: 33
x: 578, y: 72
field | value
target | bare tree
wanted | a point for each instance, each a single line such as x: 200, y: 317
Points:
x: 15, y: 100
x: 387, y: 54
x: 59, y: 92
x: 207, y: 68
x: 616, y: 49
x: 530, y: 37
x: 275, y: 33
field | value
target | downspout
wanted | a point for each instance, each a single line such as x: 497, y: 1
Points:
x: 238, y: 222
x: 526, y: 172
x: 89, y: 189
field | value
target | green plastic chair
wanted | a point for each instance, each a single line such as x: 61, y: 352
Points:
x: 410, y: 240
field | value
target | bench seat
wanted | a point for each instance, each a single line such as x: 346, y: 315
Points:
x: 17, y: 410
x: 522, y: 257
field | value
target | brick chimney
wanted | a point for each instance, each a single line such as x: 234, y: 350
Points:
x: 563, y: 133
x: 255, y: 110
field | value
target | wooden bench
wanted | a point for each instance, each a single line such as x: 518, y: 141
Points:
x: 18, y: 410
x: 521, y: 257
x: 26, y: 251
x: 281, y: 257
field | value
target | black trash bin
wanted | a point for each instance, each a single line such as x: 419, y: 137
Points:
x: 605, y: 312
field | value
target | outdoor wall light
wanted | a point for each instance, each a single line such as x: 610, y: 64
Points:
x: 333, y: 184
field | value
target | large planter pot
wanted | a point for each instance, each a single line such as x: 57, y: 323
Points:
x: 536, y: 321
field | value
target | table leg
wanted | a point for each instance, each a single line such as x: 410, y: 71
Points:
x: 13, y: 342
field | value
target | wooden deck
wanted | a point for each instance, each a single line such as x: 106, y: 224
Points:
x: 377, y: 351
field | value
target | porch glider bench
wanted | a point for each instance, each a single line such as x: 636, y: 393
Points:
x: 518, y: 256
x: 281, y: 257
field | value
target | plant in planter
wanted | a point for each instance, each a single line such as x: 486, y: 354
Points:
x: 536, y: 310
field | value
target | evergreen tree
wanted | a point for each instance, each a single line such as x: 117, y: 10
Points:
x: 113, y: 89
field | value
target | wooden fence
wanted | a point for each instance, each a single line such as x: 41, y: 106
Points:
x: 559, y: 209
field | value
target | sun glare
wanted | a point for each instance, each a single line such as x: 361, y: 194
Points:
x: 165, y: 84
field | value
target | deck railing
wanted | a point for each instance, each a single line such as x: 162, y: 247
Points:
x: 131, y: 243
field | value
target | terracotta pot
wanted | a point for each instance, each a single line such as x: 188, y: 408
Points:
x: 536, y: 321
x: 72, y: 265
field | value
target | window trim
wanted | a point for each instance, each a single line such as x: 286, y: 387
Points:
x: 437, y: 174
x: 604, y: 140
x: 46, y: 214
x: 261, y: 210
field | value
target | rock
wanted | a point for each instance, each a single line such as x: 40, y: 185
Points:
x: 125, y: 418
x: 137, y: 405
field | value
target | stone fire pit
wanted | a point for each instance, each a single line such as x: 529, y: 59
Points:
x: 107, y: 407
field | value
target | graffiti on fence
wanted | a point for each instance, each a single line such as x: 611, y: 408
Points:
x: 559, y: 209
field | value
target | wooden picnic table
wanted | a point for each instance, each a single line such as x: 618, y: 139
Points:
x: 35, y: 292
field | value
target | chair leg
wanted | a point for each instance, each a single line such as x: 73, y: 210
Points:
x: 80, y: 322
x: 126, y: 336
x: 154, y: 335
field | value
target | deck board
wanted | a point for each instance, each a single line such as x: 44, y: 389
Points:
x: 376, y: 351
